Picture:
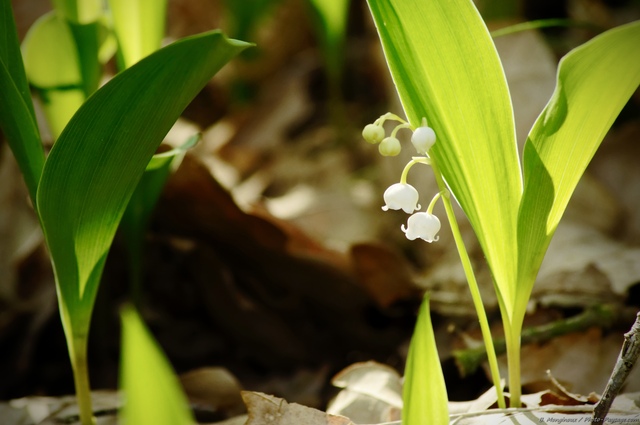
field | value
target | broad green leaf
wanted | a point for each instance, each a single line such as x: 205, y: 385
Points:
x: 96, y: 163
x: 245, y: 15
x: 331, y: 16
x: 446, y: 68
x: 79, y: 11
x: 152, y: 393
x: 139, y: 27
x: 53, y: 68
x: 17, y: 117
x: 594, y: 82
x: 136, y: 217
x: 425, y: 393
x: 89, y: 38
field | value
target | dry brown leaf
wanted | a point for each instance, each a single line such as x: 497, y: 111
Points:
x: 266, y: 409
x: 581, y: 361
x: 584, y: 266
x: 383, y: 272
x: 214, y: 388
x: 57, y: 410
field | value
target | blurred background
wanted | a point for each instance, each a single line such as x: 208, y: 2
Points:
x: 268, y: 254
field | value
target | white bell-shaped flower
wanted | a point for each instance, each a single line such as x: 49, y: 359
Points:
x: 401, y: 196
x: 423, y: 138
x: 422, y: 225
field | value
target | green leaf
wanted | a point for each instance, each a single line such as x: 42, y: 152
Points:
x: 446, y: 68
x: 53, y: 68
x: 153, y: 395
x: 594, y: 82
x: 79, y: 11
x: 424, y: 393
x: 135, y: 220
x: 331, y: 17
x: 245, y: 15
x: 17, y: 117
x: 139, y: 27
x: 99, y: 158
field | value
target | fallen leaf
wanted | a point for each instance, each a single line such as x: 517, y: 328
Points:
x: 266, y: 409
x: 383, y: 272
x: 584, y: 266
x: 371, y: 393
x: 214, y: 388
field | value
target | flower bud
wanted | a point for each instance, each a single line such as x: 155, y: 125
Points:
x: 373, y: 133
x: 401, y: 196
x: 423, y: 138
x: 422, y: 225
x: 390, y: 146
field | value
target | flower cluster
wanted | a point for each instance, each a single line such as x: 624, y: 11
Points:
x: 403, y: 196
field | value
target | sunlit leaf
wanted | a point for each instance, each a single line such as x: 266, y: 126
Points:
x: 595, y: 81
x: 79, y: 11
x: 53, y: 68
x: 17, y: 117
x: 424, y: 393
x: 139, y: 27
x: 446, y: 68
x: 153, y: 395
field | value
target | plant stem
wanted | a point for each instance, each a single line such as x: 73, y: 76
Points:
x: 512, y: 335
x: 473, y: 287
x: 604, y: 316
x: 79, y: 363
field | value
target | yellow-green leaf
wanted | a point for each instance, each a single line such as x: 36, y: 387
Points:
x: 594, y: 82
x: 446, y: 68
x: 425, y: 393
x: 152, y: 393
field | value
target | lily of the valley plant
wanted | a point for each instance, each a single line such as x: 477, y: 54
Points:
x: 446, y: 68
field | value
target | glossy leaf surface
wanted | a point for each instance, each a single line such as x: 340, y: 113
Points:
x: 446, y: 68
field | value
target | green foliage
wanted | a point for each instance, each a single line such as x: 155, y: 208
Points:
x: 424, y: 393
x: 245, y: 15
x: 152, y: 392
x: 53, y: 68
x: 79, y: 11
x: 139, y: 27
x: 595, y: 81
x: 17, y: 117
x: 81, y: 206
x: 446, y: 69
x: 83, y: 188
x: 331, y: 17
x: 136, y: 217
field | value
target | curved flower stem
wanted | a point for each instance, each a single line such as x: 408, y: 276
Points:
x: 389, y: 116
x: 399, y: 127
x: 473, y: 286
x: 435, y: 199
x: 415, y: 160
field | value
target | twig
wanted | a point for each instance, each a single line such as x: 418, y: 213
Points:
x: 604, y: 316
x: 627, y: 358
